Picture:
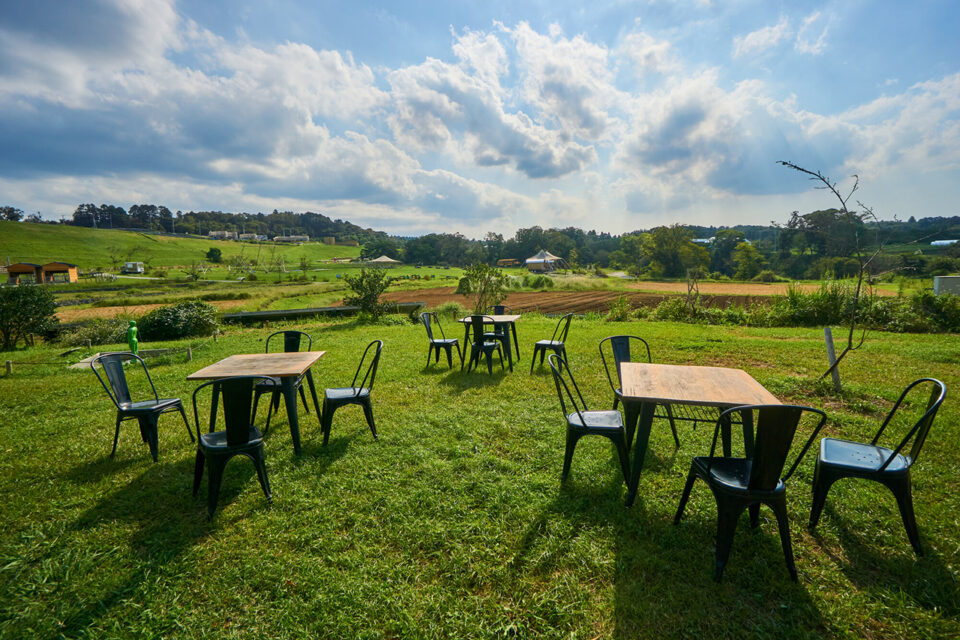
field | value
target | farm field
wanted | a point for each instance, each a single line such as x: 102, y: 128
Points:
x: 456, y: 524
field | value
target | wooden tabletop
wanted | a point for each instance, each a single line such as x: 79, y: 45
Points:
x: 682, y: 384
x: 493, y: 318
x: 259, y: 364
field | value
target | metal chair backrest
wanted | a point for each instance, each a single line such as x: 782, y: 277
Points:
x: 291, y: 340
x: 428, y: 318
x: 563, y: 326
x: 938, y: 391
x: 236, y: 394
x: 476, y: 324
x: 499, y: 309
x: 371, y: 373
x: 620, y: 351
x: 776, y: 426
x: 561, y: 374
x: 112, y: 365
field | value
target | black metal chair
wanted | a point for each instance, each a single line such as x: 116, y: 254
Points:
x: 582, y: 422
x: 501, y: 331
x: 291, y: 344
x: 481, y: 346
x: 354, y: 394
x: 755, y: 479
x: 890, y: 467
x: 146, y: 412
x: 442, y: 343
x: 240, y: 437
x: 555, y: 343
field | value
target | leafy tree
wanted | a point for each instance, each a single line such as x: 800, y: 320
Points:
x: 25, y: 311
x: 367, y: 287
x: 11, y: 213
x: 377, y: 247
x: 749, y: 261
x: 487, y: 284
x: 215, y: 255
x: 671, y: 251
x: 725, y: 242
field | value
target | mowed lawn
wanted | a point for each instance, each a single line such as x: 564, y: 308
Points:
x: 455, y: 524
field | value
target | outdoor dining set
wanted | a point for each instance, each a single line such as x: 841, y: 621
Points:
x: 744, y: 479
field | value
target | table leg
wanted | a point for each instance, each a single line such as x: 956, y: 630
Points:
x: 513, y: 327
x: 313, y: 392
x: 213, y: 405
x: 747, y: 417
x: 288, y: 386
x: 640, y: 449
x: 506, y: 343
x: 725, y: 434
x: 466, y: 342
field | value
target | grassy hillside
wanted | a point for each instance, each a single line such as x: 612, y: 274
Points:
x: 91, y: 248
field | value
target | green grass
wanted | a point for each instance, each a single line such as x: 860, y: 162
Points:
x: 455, y: 524
x: 93, y: 248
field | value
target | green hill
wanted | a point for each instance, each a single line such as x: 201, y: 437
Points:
x: 100, y: 248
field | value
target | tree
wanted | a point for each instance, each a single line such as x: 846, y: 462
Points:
x: 487, y: 285
x: 25, y: 311
x: 748, y: 259
x: 724, y: 244
x: 215, y: 255
x: 671, y: 252
x: 367, y: 287
x: 11, y: 213
x: 380, y: 247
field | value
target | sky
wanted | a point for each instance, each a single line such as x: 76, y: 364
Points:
x: 423, y: 117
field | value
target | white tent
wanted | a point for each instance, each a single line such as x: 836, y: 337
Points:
x: 384, y: 260
x: 543, y: 261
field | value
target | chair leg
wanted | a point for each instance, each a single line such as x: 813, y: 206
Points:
x: 459, y: 355
x: 198, y: 466
x: 148, y: 429
x: 266, y: 427
x: 754, y: 515
x: 186, y: 422
x: 326, y: 419
x: 728, y: 512
x: 429, y: 354
x: 500, y: 353
x: 673, y: 426
x: 116, y: 435
x: 303, y: 399
x: 616, y: 401
x: 259, y: 462
x: 368, y: 414
x: 903, y: 493
x: 822, y: 481
x: 449, y: 350
x: 572, y: 439
x: 621, y: 444
x: 783, y: 524
x: 534, y: 361
x: 489, y: 356
x: 215, y: 466
x: 691, y: 478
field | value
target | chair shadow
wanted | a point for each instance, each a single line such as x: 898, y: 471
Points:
x: 166, y: 523
x: 657, y: 563
x: 905, y: 572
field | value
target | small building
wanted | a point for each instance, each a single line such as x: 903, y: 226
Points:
x: 291, y: 239
x: 132, y: 267
x: 247, y: 237
x: 222, y: 235
x: 943, y: 243
x: 25, y: 272
x: 543, y: 261
x: 328, y: 240
x: 508, y: 262
x: 59, y: 272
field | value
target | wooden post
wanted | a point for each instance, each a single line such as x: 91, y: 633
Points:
x: 832, y: 358
x: 89, y: 344
x: 9, y: 367
x: 189, y: 354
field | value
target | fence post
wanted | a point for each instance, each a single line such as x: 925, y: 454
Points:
x: 189, y: 354
x: 9, y: 367
x: 89, y: 343
x: 832, y: 358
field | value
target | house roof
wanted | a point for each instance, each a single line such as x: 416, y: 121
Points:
x: 65, y: 264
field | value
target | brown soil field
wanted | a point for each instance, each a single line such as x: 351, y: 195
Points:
x: 713, y: 294
x: 77, y: 315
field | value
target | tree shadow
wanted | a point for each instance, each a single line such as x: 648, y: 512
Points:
x: 925, y: 579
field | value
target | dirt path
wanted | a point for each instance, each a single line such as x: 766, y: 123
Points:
x: 76, y: 315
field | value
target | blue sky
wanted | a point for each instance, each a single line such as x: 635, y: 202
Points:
x: 418, y: 117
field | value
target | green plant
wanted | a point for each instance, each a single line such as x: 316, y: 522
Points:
x: 367, y: 286
x: 487, y: 285
x: 537, y: 281
x: 215, y: 255
x: 766, y: 276
x: 25, y: 311
x: 183, y: 320
x: 97, y: 331
x: 451, y: 310
x: 619, y: 310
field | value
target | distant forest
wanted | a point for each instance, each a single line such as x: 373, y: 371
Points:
x: 813, y: 245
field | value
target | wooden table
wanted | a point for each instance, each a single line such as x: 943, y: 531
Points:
x: 648, y: 385
x: 502, y: 320
x: 288, y: 367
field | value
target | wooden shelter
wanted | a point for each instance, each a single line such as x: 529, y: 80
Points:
x: 59, y: 272
x: 25, y: 271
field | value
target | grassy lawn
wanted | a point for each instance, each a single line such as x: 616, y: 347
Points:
x: 455, y: 524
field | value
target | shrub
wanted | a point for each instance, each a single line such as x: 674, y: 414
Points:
x: 463, y: 287
x: 766, y: 276
x: 183, y: 320
x: 487, y: 284
x: 673, y: 308
x: 619, y: 310
x: 367, y: 286
x: 537, y: 281
x: 453, y: 310
x: 943, y: 311
x: 26, y: 311
x: 98, y: 331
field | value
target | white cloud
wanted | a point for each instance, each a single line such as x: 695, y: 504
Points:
x: 806, y: 42
x: 761, y: 40
x: 647, y: 54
